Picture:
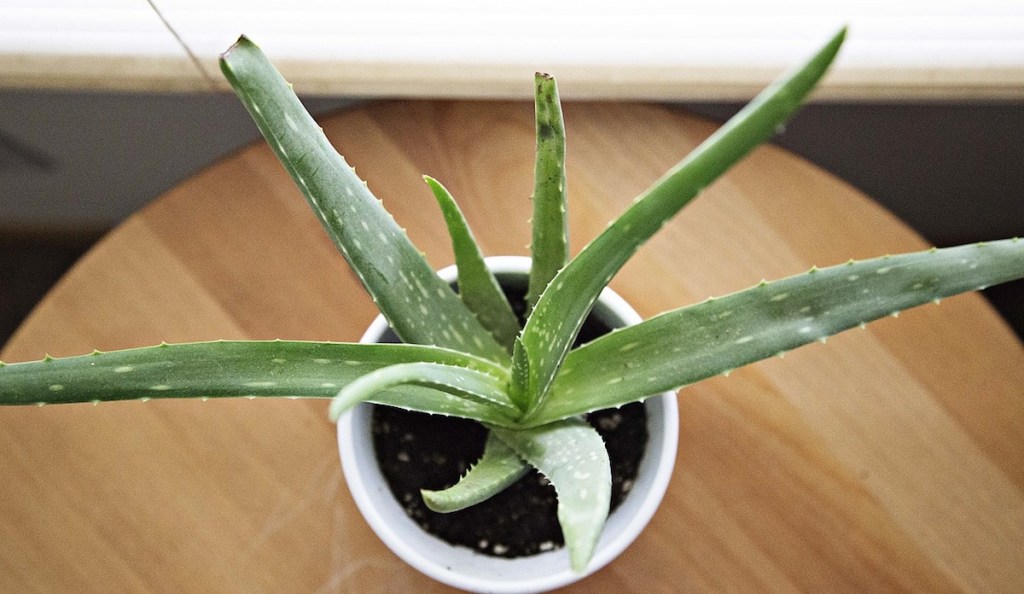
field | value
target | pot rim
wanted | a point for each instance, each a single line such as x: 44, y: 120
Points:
x: 464, y: 568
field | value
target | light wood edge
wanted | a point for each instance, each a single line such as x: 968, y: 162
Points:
x: 464, y: 81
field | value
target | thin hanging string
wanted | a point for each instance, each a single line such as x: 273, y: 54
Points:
x: 191, y: 56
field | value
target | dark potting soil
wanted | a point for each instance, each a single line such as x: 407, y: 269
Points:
x: 420, y: 451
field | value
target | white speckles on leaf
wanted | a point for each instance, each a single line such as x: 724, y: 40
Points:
x: 744, y: 339
x: 160, y: 388
x: 123, y: 369
x: 779, y: 297
x: 291, y: 122
x: 56, y: 387
x: 261, y: 384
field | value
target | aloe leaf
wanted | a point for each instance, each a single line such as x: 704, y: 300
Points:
x: 478, y: 288
x: 435, y: 402
x: 497, y: 469
x: 571, y: 454
x: 214, y: 369
x: 557, y: 317
x: 460, y: 383
x: 686, y: 345
x: 420, y: 307
x: 550, y: 245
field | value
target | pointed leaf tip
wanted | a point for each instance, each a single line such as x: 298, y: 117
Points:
x: 334, y: 191
x: 589, y: 272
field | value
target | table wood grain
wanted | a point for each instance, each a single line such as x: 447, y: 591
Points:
x: 890, y: 458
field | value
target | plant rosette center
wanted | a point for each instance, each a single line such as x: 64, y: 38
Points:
x: 511, y: 543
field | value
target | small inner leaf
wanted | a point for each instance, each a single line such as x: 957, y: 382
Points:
x: 497, y: 469
x: 478, y: 288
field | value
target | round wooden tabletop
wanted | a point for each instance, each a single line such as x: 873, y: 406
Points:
x: 888, y: 459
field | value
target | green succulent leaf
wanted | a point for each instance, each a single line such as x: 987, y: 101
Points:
x: 232, y: 369
x: 550, y: 245
x: 572, y: 455
x: 686, y: 345
x: 478, y: 288
x: 459, y: 383
x: 497, y: 469
x: 556, y: 319
x: 420, y: 307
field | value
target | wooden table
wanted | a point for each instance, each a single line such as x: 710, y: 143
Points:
x: 891, y: 458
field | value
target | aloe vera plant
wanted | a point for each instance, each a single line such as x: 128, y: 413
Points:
x: 465, y: 354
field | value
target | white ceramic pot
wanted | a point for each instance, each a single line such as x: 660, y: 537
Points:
x: 470, y: 570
